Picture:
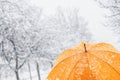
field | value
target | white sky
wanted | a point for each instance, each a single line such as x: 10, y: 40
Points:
x: 88, y: 9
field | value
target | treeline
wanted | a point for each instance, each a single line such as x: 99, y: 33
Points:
x: 29, y: 38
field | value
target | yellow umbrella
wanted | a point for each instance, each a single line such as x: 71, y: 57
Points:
x: 87, y: 62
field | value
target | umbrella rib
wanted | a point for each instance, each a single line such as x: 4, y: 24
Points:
x: 66, y: 58
x: 76, y: 64
x: 105, y: 62
x: 73, y: 68
x: 89, y: 64
x: 63, y: 61
x: 104, y: 51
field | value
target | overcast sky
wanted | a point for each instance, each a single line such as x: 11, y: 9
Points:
x: 88, y: 9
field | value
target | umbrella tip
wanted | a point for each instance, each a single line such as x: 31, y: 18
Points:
x: 85, y: 47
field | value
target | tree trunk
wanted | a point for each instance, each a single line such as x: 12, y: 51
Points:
x: 51, y: 64
x: 38, y: 72
x: 17, y: 75
x: 29, y: 71
x: 16, y: 67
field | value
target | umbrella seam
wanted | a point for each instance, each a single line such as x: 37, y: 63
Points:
x: 73, y: 67
x: 106, y: 63
x: 105, y: 51
x: 103, y: 60
x: 89, y: 64
x: 63, y: 60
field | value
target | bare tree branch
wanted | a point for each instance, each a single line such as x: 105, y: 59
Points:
x: 8, y: 61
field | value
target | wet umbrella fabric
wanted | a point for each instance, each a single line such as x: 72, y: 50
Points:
x: 87, y: 62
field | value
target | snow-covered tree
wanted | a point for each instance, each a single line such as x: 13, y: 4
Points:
x: 16, y: 36
x: 64, y: 30
x: 113, y: 19
x: 28, y: 36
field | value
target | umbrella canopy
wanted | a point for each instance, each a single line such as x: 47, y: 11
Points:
x: 87, y: 62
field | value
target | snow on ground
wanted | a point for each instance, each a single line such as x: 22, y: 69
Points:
x: 7, y: 74
x: 44, y: 74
